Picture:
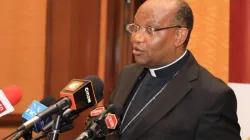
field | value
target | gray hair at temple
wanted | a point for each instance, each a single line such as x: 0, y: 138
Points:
x: 184, y: 17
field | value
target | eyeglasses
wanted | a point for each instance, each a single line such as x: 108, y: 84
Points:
x: 133, y: 28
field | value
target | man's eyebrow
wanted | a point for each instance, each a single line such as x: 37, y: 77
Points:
x: 149, y: 22
x: 152, y: 22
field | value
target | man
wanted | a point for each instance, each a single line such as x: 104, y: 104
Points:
x: 167, y: 95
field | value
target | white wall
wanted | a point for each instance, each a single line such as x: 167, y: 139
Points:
x: 242, y: 92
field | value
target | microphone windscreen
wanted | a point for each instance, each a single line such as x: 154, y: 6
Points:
x: 13, y: 94
x: 48, y: 101
x: 97, y: 85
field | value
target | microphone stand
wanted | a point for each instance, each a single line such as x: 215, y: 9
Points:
x: 54, y: 135
x: 64, y: 128
x: 41, y: 136
x: 27, y: 135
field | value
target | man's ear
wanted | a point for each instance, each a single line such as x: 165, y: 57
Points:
x: 180, y: 36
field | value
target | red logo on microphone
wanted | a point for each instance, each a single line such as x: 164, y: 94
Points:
x: 2, y: 107
x: 97, y: 111
x: 111, y: 121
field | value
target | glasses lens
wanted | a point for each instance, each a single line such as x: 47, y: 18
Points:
x: 149, y: 30
x: 132, y: 28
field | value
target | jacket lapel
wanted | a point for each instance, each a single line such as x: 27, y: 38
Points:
x: 122, y: 93
x: 176, y: 89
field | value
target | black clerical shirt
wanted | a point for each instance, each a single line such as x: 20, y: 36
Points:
x: 147, y: 86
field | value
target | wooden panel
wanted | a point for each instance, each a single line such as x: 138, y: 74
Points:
x: 118, y: 51
x: 103, y: 38
x: 73, y: 30
x: 22, y: 52
x: 210, y: 37
x: 239, y: 68
x: 57, y: 46
x: 12, y: 120
x: 5, y: 131
x: 110, y: 54
x: 85, y: 38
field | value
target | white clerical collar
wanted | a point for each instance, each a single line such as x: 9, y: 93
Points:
x: 152, y: 71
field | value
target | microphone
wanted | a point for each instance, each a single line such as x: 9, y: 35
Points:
x: 85, y: 96
x: 9, y: 97
x: 70, y: 114
x: 103, y: 124
x: 93, y: 115
x: 77, y: 95
x: 35, y: 108
x: 97, y: 111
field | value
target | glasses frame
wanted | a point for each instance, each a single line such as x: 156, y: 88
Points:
x: 153, y: 29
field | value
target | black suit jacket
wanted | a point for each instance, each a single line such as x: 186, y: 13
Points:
x: 194, y: 106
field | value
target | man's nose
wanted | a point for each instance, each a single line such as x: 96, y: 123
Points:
x: 138, y: 37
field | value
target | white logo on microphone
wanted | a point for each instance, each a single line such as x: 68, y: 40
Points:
x: 31, y: 112
x: 74, y: 86
x: 87, y: 93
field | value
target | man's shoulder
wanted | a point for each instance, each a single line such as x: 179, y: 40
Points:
x: 129, y: 71
x: 210, y: 83
x: 212, y: 92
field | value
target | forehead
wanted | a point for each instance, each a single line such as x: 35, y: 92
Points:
x: 155, y: 12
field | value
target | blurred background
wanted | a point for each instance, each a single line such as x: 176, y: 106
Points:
x: 46, y: 43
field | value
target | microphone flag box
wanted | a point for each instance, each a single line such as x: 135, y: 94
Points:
x: 81, y: 93
x: 5, y: 105
x: 35, y: 108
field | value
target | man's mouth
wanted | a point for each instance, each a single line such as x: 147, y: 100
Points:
x: 137, y: 51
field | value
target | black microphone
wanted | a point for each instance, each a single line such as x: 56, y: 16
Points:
x: 103, y: 125
x: 34, y: 108
x: 93, y: 115
x: 78, y: 95
x: 70, y: 114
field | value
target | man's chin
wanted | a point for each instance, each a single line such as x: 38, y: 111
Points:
x: 145, y: 64
x: 141, y: 62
